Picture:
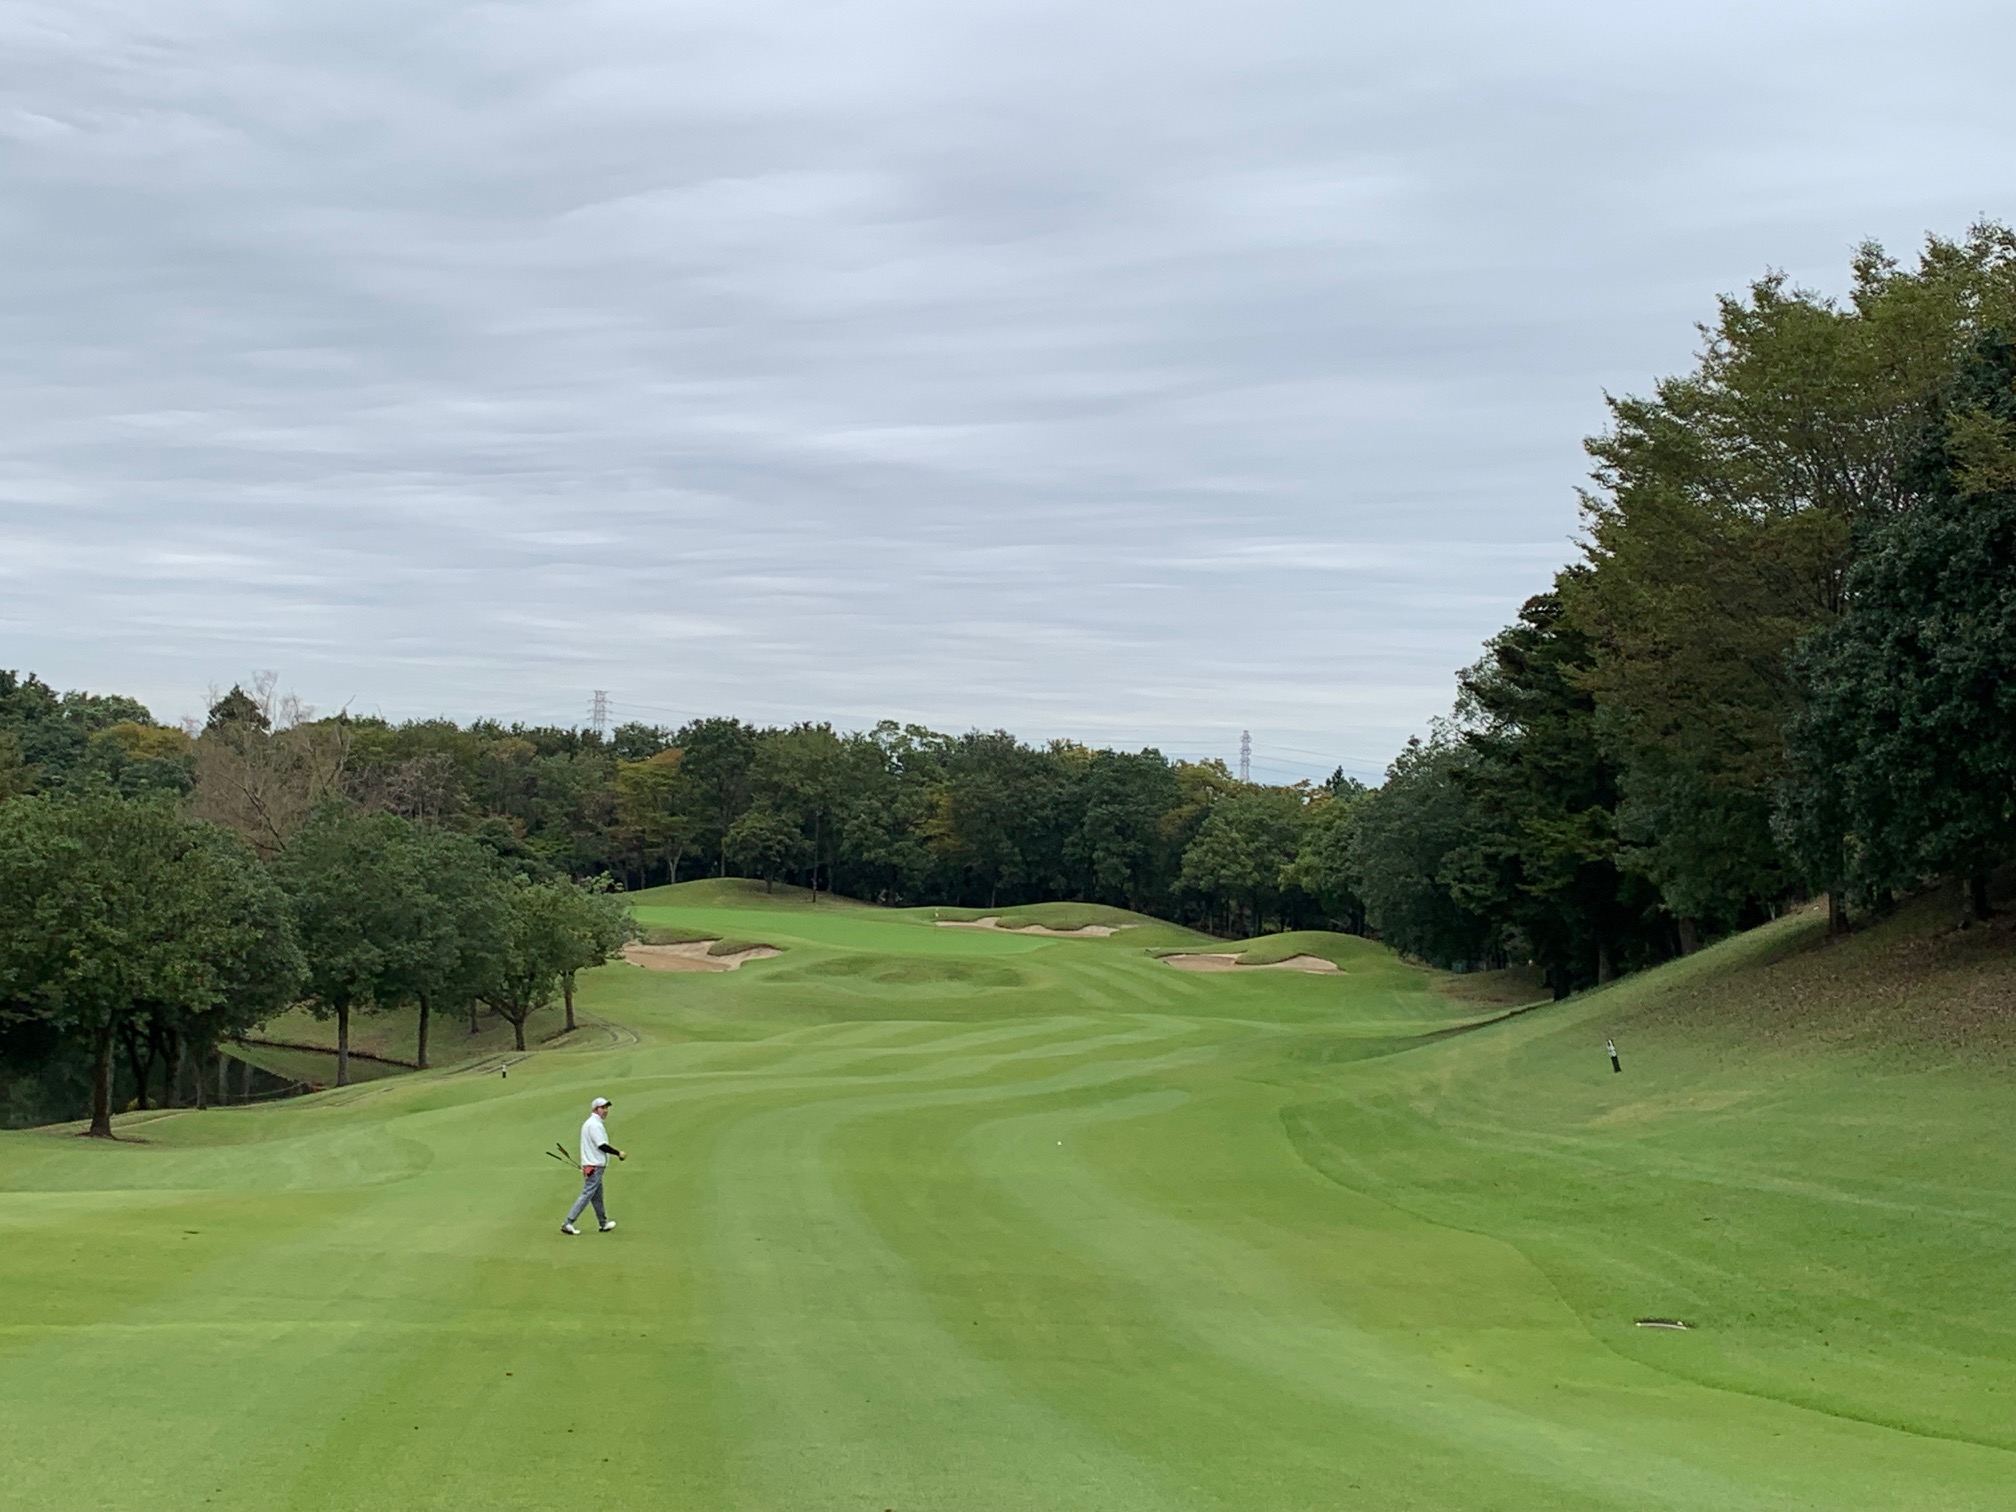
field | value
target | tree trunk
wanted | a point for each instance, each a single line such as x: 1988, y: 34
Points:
x: 178, y: 1066
x: 140, y: 1068
x: 567, y: 992
x: 473, y: 1010
x: 1690, y: 936
x: 244, y: 1081
x: 101, y: 1084
x: 1837, y: 913
x: 161, y: 1048
x: 1978, y: 906
x: 1605, y: 970
x: 518, y: 1033
x: 420, y: 1051
x: 342, y: 1044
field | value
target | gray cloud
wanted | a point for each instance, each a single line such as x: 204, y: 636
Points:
x: 1133, y: 372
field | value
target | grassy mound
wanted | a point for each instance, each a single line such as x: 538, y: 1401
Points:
x: 1910, y: 988
x: 1800, y: 1158
x: 1343, y: 950
x: 1510, y: 987
x: 393, y: 1034
x: 740, y: 892
x: 315, y: 1068
x: 671, y: 934
x: 911, y: 972
x: 1054, y: 916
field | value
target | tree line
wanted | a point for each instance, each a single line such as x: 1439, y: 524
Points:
x: 137, y: 936
x: 1783, y: 666
x: 447, y: 866
x: 898, y: 813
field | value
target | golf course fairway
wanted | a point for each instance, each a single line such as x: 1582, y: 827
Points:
x: 919, y: 1217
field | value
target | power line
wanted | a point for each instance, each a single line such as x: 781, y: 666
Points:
x: 644, y: 708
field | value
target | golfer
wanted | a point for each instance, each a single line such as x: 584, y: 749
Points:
x: 595, y: 1153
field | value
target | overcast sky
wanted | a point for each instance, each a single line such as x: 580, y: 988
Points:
x: 1130, y: 372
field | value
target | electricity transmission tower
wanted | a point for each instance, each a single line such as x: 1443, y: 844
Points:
x: 1245, y: 755
x: 599, y: 713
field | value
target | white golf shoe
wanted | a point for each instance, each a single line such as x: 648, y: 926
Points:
x: 609, y: 1225
x: 568, y: 1228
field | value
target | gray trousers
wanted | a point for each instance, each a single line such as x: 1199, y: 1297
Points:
x: 591, y: 1191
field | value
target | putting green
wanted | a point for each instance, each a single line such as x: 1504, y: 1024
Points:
x: 949, y: 1218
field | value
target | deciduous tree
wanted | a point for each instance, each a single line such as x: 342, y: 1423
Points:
x: 264, y: 764
x: 459, y: 933
x: 595, y: 924
x: 119, y: 915
x: 767, y: 843
x: 362, y: 912
x: 538, y: 949
x: 1905, y: 750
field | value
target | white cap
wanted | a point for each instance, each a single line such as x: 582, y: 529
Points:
x: 600, y: 1102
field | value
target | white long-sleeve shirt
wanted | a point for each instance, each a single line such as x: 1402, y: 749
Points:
x: 593, y: 1137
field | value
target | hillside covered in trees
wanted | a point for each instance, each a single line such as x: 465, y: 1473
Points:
x: 1785, y: 664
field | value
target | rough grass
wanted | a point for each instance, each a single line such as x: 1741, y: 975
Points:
x: 910, y: 971
x: 1344, y: 950
x: 395, y: 1033
x: 1909, y: 986
x: 1800, y: 1157
x: 1057, y: 916
x: 736, y: 947
x: 671, y: 934
x: 740, y: 892
x: 949, y: 1218
x: 315, y: 1068
x: 1510, y: 986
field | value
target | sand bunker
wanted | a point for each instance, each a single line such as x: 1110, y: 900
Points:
x: 993, y: 922
x: 692, y: 956
x: 1230, y: 962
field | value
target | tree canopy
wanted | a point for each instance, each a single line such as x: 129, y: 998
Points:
x: 121, y: 916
